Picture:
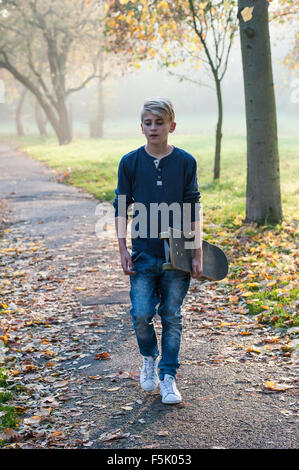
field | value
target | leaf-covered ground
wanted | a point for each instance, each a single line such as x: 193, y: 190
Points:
x: 69, y: 361
x: 69, y: 388
x: 263, y: 277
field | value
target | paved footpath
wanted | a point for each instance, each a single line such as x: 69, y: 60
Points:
x: 73, y: 349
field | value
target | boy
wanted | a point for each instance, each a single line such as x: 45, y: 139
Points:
x: 154, y: 176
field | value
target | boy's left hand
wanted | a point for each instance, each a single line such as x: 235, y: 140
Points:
x: 197, y: 265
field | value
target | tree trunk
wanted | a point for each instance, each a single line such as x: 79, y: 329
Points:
x: 41, y: 123
x: 100, y: 111
x: 96, y: 125
x: 64, y: 129
x: 71, y: 120
x: 218, y: 130
x: 19, y: 124
x: 263, y: 200
x: 60, y: 124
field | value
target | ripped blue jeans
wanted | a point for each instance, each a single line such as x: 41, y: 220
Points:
x: 150, y: 286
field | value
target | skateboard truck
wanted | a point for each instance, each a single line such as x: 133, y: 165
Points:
x: 178, y: 256
x: 170, y: 240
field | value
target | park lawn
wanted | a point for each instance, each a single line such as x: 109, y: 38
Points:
x: 262, y: 279
x: 92, y: 164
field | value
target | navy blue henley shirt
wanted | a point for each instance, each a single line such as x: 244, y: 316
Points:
x: 145, y: 179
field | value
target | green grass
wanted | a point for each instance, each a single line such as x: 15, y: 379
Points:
x: 9, y: 419
x: 275, y: 306
x: 92, y: 164
x: 278, y: 317
x: 3, y: 378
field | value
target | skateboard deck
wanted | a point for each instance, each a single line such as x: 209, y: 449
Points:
x: 215, y: 264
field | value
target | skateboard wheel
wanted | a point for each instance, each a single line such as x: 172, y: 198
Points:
x: 167, y: 266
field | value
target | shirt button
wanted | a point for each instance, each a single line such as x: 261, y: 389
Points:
x: 159, y: 177
x: 159, y: 169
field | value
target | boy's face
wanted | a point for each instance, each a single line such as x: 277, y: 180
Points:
x: 156, y: 128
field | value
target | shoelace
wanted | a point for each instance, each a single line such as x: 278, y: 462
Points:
x: 168, y: 384
x: 149, y: 369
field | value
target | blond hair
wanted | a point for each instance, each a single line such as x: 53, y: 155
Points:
x: 160, y: 107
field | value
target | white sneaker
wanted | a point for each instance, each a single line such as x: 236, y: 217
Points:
x: 148, y: 375
x: 169, y: 391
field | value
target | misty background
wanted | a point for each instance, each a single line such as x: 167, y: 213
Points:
x: 195, y: 105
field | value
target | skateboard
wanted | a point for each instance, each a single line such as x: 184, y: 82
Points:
x: 215, y: 264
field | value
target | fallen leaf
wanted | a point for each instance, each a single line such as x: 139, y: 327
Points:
x: 112, y: 435
x: 271, y: 385
x: 102, y: 356
x: 134, y: 375
x: 32, y: 421
x: 253, y: 349
x: 162, y: 433
x: 265, y: 307
x: 49, y: 400
x: 194, y: 309
x: 55, y: 435
x: 275, y: 339
x: 247, y: 294
x: 225, y: 323
x: 30, y: 367
x: 10, y: 435
x: 61, y: 383
x: 155, y: 445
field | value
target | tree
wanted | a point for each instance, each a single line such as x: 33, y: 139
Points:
x: 218, y: 20
x: 173, y: 30
x: 291, y: 60
x: 40, y: 119
x: 15, y: 95
x: 263, y: 199
x: 287, y: 11
x: 282, y: 10
x: 19, y: 123
x: 97, y: 122
x: 60, y: 31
